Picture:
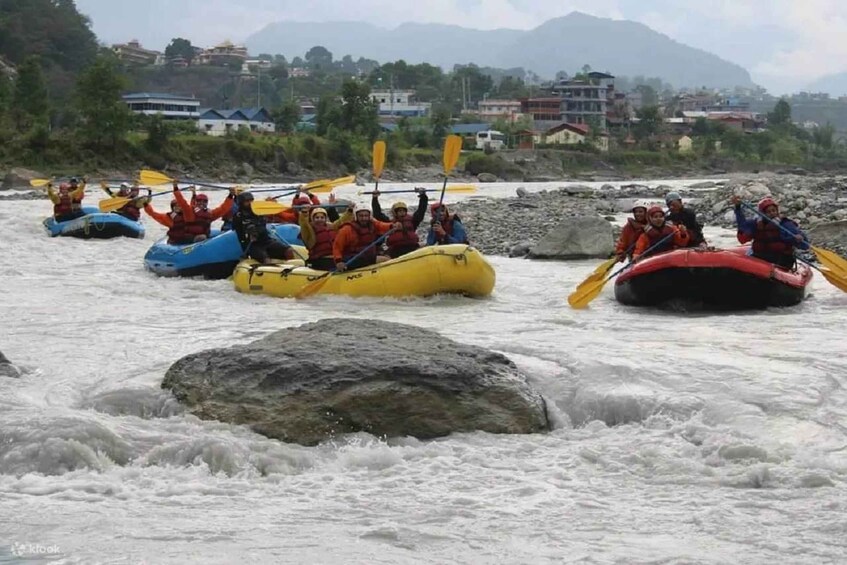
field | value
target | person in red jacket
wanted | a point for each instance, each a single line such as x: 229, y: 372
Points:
x: 630, y: 233
x: 67, y: 204
x: 354, y: 237
x: 176, y: 220
x: 659, y: 230
x: 404, y: 240
x: 199, y: 218
x: 292, y: 215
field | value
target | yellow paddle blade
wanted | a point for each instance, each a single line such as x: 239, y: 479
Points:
x: 378, y: 158
x: 39, y: 182
x: 327, y: 185
x: 835, y: 279
x: 582, y: 297
x: 112, y: 204
x: 313, y: 287
x: 833, y: 261
x: 268, y: 207
x: 152, y: 178
x: 599, y: 273
x: 452, y: 149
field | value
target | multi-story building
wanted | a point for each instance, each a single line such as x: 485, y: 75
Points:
x: 170, y: 106
x: 497, y: 109
x: 400, y: 103
x: 586, y: 101
x: 547, y: 109
x: 133, y: 53
x: 224, y: 55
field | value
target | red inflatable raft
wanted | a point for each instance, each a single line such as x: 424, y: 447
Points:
x: 722, y: 279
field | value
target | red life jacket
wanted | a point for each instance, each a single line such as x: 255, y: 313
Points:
x: 177, y: 233
x: 324, y: 238
x: 766, y: 240
x: 130, y: 211
x: 76, y: 203
x: 364, y: 237
x: 448, y: 225
x: 65, y: 205
x: 202, y: 224
x: 654, y: 235
x: 407, y: 236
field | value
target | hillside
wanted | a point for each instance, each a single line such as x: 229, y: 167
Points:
x: 566, y: 43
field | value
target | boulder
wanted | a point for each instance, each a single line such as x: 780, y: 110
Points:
x: 247, y: 169
x: 520, y: 250
x: 705, y: 184
x: 586, y: 237
x: 7, y: 369
x: 522, y: 192
x: 19, y: 178
x: 487, y: 177
x: 577, y: 189
x: 830, y: 234
x: 308, y: 383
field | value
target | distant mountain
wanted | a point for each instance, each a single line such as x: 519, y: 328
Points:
x: 835, y: 84
x: 621, y: 47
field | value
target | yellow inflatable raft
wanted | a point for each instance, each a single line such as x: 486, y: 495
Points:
x: 442, y: 269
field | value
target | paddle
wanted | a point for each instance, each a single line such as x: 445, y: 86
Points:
x: 836, y: 266
x: 118, y: 202
x: 461, y: 188
x: 316, y: 285
x: 378, y: 161
x: 603, y: 268
x: 583, y: 296
x: 153, y: 178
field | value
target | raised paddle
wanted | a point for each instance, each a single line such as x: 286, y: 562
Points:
x: 460, y: 188
x: 583, y: 295
x: 603, y: 268
x: 118, y: 202
x: 316, y: 285
x: 378, y: 161
x: 153, y: 178
x: 836, y: 265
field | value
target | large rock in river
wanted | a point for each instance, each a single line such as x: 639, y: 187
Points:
x: 308, y: 383
x: 19, y: 178
x: 576, y: 238
x: 831, y: 234
x: 7, y: 369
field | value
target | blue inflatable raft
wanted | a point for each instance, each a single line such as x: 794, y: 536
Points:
x: 95, y: 225
x: 214, y: 258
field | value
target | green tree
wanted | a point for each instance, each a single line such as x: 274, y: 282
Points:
x: 824, y: 137
x: 105, y: 117
x: 648, y: 95
x: 649, y: 123
x: 5, y: 95
x: 327, y: 115
x: 179, y: 47
x: 440, y: 120
x: 319, y: 57
x: 287, y: 116
x: 31, y: 107
x: 781, y: 115
x: 359, y: 114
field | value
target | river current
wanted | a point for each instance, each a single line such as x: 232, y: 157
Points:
x: 680, y: 437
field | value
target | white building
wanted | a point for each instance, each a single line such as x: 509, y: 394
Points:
x: 400, y: 103
x: 494, y: 109
x: 170, y: 106
x: 220, y: 122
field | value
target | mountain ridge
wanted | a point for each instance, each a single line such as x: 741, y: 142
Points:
x: 621, y: 47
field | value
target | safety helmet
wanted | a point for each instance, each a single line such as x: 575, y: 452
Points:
x: 398, y: 205
x: 671, y: 196
x: 317, y: 211
x: 638, y: 204
x: 766, y: 203
x: 245, y: 197
x: 653, y: 209
x: 363, y: 209
x: 124, y: 185
x: 202, y: 198
x: 302, y: 200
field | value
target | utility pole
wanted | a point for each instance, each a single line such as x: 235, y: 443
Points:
x: 391, y: 94
x: 464, y: 96
x: 259, y: 86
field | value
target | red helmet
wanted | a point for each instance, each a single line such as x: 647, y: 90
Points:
x: 766, y: 203
x: 202, y: 198
x: 64, y: 186
x: 653, y: 209
x: 302, y: 201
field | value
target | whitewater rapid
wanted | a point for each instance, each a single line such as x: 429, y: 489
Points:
x: 680, y: 438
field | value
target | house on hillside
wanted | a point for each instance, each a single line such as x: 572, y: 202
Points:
x: 509, y: 110
x: 400, y: 103
x: 574, y: 134
x: 133, y: 53
x: 225, y: 54
x: 169, y: 106
x: 221, y: 122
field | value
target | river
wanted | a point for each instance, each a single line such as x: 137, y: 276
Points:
x: 680, y: 438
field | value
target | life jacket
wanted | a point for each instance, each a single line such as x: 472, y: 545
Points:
x: 448, y: 225
x: 766, y: 240
x: 65, y: 205
x: 131, y: 211
x: 407, y: 236
x: 324, y: 238
x: 177, y: 233
x: 654, y: 235
x: 364, y: 237
x: 76, y: 203
x: 202, y: 224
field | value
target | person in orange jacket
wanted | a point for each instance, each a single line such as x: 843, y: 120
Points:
x: 176, y: 220
x: 633, y: 229
x: 657, y: 230
x: 199, y: 218
x: 292, y: 215
x: 354, y: 237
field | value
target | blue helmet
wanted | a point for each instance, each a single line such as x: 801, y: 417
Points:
x: 671, y: 196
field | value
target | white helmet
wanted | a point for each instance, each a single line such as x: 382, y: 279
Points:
x: 639, y: 204
x: 363, y: 208
x: 124, y: 185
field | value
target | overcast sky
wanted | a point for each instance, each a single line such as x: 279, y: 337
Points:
x: 785, y: 44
